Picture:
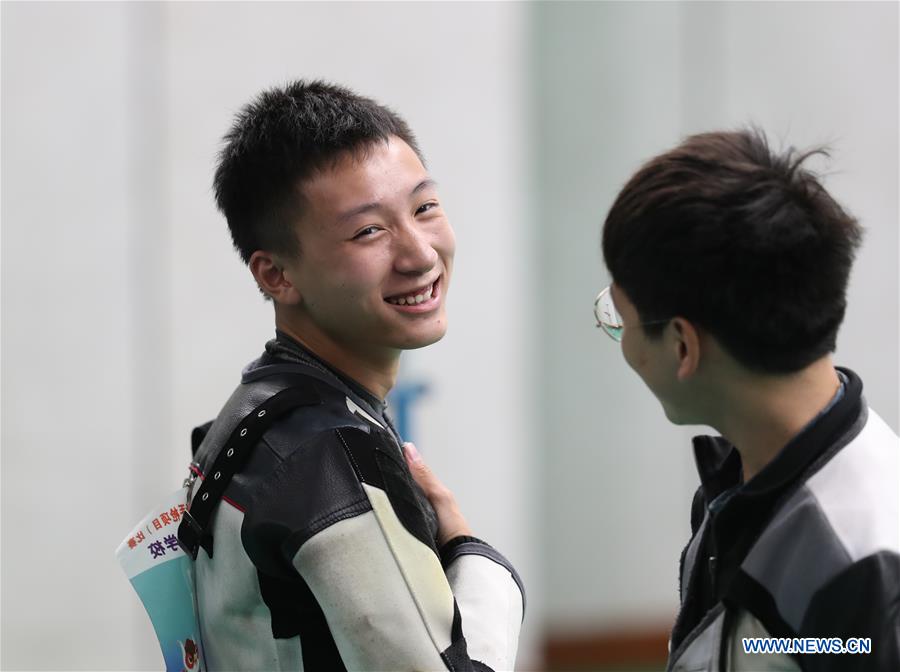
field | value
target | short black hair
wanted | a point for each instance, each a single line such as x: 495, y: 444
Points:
x: 283, y: 137
x: 742, y: 240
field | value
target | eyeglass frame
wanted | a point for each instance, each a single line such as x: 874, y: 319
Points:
x: 614, y: 331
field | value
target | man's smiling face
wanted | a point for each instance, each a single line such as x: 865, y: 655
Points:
x: 376, y: 252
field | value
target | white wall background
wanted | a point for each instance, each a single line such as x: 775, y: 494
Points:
x: 127, y: 317
x: 619, y: 83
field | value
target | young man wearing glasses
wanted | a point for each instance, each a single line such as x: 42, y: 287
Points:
x: 729, y: 265
x: 333, y: 548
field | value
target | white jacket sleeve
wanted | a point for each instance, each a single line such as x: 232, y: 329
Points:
x: 491, y: 600
x: 390, y: 605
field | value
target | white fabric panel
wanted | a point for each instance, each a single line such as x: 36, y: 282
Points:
x: 353, y: 407
x: 227, y: 586
x: 862, y: 478
x: 290, y: 654
x: 491, y: 607
x: 698, y: 656
x: 746, y: 625
x: 383, y: 592
x: 421, y: 568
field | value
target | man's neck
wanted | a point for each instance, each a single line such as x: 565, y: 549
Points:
x: 760, y: 414
x: 375, y: 374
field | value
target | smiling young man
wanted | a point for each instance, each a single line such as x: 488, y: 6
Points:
x: 332, y: 547
x: 729, y: 265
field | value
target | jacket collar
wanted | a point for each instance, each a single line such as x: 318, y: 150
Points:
x: 285, y: 348
x: 719, y: 463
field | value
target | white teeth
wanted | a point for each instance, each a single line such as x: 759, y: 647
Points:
x: 418, y: 298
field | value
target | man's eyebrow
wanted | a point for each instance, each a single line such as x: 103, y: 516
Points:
x: 368, y: 207
x: 424, y: 184
x: 358, y: 210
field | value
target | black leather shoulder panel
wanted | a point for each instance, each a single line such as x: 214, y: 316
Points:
x: 378, y: 462
x: 306, y: 472
x: 313, y: 488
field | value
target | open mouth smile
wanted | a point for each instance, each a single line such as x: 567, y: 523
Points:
x: 419, y: 300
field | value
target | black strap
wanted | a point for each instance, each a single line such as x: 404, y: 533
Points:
x: 193, y: 531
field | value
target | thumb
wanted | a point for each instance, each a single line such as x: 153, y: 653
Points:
x: 412, y: 455
x: 417, y: 466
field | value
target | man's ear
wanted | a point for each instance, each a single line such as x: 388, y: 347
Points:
x: 270, y: 276
x: 687, y: 344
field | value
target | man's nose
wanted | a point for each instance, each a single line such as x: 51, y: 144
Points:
x: 415, y: 253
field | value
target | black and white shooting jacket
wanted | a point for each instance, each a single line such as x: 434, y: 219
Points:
x: 808, y: 548
x: 324, y: 553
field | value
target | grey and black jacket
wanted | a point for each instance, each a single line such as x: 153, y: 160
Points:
x: 810, y: 547
x: 324, y: 554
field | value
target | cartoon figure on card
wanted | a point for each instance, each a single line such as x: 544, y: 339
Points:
x: 191, y: 655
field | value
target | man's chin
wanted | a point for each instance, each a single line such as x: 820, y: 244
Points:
x: 672, y: 415
x: 416, y: 341
x: 682, y: 417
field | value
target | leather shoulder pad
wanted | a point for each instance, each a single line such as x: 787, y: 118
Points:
x: 243, y: 400
x: 313, y: 488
